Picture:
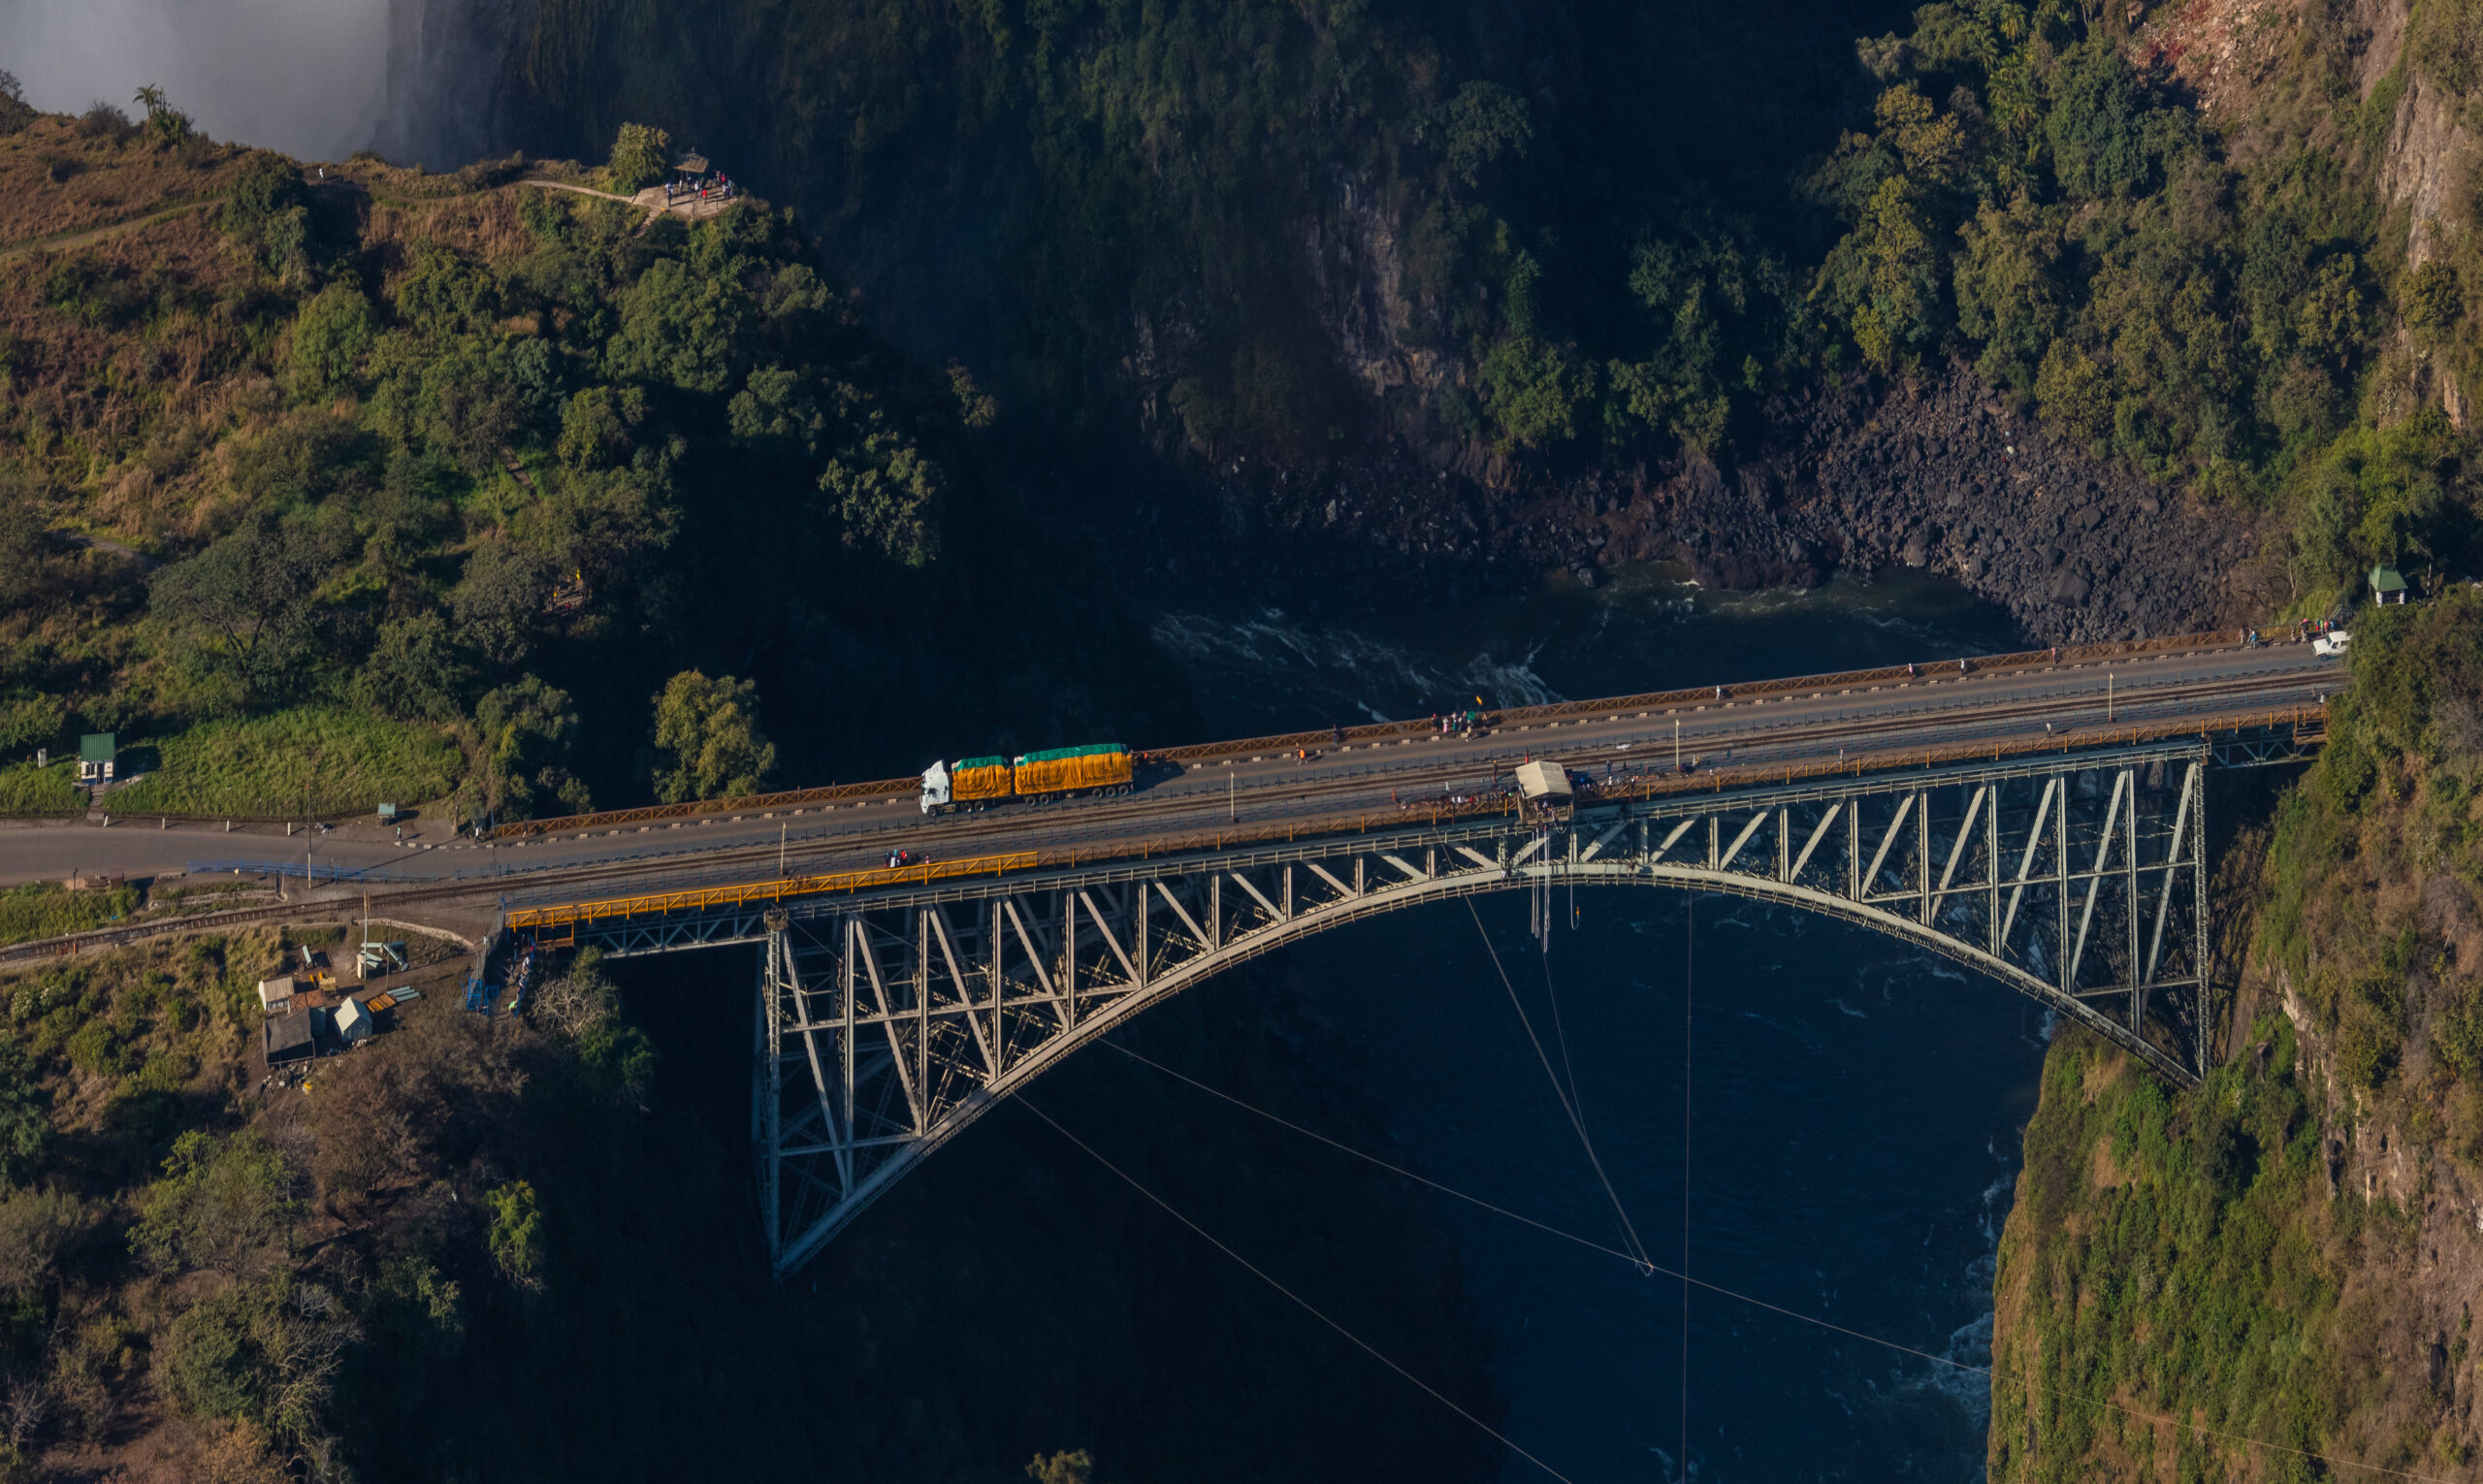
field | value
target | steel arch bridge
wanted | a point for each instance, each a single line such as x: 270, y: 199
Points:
x: 889, y: 1020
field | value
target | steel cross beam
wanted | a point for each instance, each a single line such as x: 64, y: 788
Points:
x: 891, y: 1022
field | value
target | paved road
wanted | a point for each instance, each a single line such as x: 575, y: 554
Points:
x: 1801, y: 725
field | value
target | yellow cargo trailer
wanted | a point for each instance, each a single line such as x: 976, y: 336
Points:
x: 1102, y: 767
x: 980, y: 781
x: 970, y: 783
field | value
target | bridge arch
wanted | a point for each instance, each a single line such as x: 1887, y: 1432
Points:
x: 889, y: 1024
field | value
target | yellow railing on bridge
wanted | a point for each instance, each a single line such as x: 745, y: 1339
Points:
x: 2307, y: 722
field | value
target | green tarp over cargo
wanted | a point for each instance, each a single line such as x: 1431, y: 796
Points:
x: 1090, y: 750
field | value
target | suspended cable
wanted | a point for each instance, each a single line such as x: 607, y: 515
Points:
x: 1629, y: 1233
x: 1738, y: 1297
x: 1689, y: 963
x: 1560, y: 1033
x: 1312, y: 1310
x: 1398, y: 1169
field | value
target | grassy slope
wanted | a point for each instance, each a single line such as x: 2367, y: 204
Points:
x: 338, y: 761
x: 151, y: 395
x: 74, y: 181
x: 44, y: 910
x: 29, y: 790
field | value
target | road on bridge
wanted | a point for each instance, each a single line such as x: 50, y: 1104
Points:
x: 1788, y: 726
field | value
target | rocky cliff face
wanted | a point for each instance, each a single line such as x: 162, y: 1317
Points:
x: 452, y: 87
x: 1935, y: 474
x: 2232, y: 55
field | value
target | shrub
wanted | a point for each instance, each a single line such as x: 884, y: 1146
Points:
x: 34, y: 1226
x: 517, y: 1233
x: 26, y: 1113
x: 226, y: 1203
x: 331, y: 336
x: 211, y: 1364
x: 269, y: 208
x: 104, y: 120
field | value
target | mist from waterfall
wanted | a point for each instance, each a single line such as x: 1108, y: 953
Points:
x: 418, y: 79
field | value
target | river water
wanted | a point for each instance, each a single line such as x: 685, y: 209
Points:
x: 1853, y: 1110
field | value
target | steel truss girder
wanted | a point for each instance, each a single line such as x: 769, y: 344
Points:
x: 890, y: 1023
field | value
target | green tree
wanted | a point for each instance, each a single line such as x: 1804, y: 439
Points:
x: 331, y: 336
x: 168, y: 124
x: 1482, y: 123
x: 2432, y: 300
x: 530, y: 731
x: 2073, y: 393
x: 253, y: 593
x: 600, y: 426
x: 2008, y: 293
x: 498, y: 604
x: 269, y: 208
x: 265, y: 1353
x: 708, y: 734
x: 444, y: 294
x: 1062, y: 1469
x: 887, y: 495
x: 224, y: 1203
x: 683, y: 328
x: 641, y: 153
x: 414, y: 672
x: 517, y: 1233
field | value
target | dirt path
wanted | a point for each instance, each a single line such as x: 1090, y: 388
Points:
x: 118, y: 549
x: 583, y: 190
x: 93, y: 234
x: 651, y: 200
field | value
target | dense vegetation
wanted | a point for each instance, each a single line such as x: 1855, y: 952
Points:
x: 1577, y: 215
x: 409, y: 1269
x: 2249, y: 1256
x: 607, y: 502
x: 1602, y: 232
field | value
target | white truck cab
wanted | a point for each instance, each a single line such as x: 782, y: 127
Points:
x: 935, y: 787
x: 2331, y: 645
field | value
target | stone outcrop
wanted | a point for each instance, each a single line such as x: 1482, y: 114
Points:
x: 1936, y: 474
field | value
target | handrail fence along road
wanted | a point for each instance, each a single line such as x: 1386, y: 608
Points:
x: 550, y: 917
x: 1518, y: 716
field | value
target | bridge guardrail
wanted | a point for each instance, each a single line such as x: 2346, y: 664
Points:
x: 1519, y: 716
x: 1712, y: 780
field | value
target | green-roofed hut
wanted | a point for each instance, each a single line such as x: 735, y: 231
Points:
x: 96, y: 751
x: 2386, y: 585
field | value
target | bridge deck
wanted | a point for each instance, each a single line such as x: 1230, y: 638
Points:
x: 1817, y: 726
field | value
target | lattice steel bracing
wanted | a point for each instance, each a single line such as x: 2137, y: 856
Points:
x: 888, y: 1023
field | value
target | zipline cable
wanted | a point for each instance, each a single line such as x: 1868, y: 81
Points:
x: 1688, y: 962
x: 1312, y: 1310
x: 1738, y: 1297
x: 1397, y: 1170
x: 1560, y: 1033
x: 1629, y: 1233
